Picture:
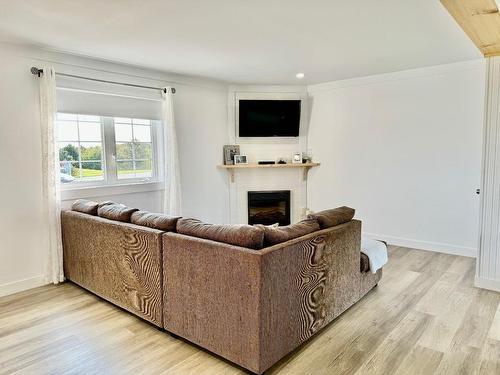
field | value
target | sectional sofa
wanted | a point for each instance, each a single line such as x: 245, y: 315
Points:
x: 250, y: 294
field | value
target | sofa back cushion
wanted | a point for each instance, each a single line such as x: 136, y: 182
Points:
x: 239, y: 235
x: 333, y: 217
x: 274, y: 235
x: 162, y: 222
x: 85, y: 206
x: 115, y: 211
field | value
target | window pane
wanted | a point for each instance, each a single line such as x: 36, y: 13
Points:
x: 143, y: 169
x: 68, y: 151
x: 67, y: 130
x: 67, y: 116
x: 91, y: 151
x: 90, y: 131
x: 89, y: 118
x: 66, y: 170
x: 122, y: 120
x: 80, y: 148
x: 75, y: 170
x: 142, y: 133
x: 91, y: 171
x: 123, y: 151
x: 123, y: 133
x: 125, y: 169
x: 138, y: 121
x: 143, y: 151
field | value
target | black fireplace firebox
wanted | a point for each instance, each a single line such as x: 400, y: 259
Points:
x: 269, y: 207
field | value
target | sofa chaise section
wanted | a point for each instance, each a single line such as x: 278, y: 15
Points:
x: 254, y: 307
x: 119, y: 261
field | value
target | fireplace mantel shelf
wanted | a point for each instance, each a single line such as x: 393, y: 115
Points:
x: 232, y: 168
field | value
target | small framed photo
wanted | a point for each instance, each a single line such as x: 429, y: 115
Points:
x: 229, y: 152
x: 240, y: 159
x: 297, y: 158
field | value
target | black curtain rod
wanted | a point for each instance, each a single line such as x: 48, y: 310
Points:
x: 39, y: 72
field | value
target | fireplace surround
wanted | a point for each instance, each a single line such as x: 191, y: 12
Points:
x: 269, y: 207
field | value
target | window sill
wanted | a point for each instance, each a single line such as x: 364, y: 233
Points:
x: 71, y: 193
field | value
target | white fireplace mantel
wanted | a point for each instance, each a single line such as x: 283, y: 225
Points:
x: 233, y: 167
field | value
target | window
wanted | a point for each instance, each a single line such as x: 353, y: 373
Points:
x: 134, y: 149
x: 97, y: 150
x: 80, y: 147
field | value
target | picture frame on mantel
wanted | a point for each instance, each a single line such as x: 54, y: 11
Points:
x: 297, y: 158
x: 229, y: 151
x: 240, y: 159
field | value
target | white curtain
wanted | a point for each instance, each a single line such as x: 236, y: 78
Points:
x: 172, y: 195
x: 50, y: 172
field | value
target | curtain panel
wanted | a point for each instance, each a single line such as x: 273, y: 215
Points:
x: 50, y: 176
x: 172, y: 193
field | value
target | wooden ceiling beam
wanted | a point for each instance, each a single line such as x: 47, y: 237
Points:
x: 480, y: 19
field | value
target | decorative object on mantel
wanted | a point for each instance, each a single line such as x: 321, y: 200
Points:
x: 281, y: 161
x: 240, y: 159
x: 305, y: 166
x: 228, y: 153
x: 266, y: 162
x: 307, y: 156
x: 297, y: 158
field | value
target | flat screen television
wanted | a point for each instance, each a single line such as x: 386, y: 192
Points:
x: 269, y: 118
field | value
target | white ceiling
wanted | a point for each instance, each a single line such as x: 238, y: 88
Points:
x: 246, y: 41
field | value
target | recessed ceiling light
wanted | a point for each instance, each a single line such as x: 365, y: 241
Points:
x: 299, y: 75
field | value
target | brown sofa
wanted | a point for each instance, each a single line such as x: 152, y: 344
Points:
x: 249, y: 306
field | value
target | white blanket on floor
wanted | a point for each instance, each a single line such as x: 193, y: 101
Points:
x: 376, y: 251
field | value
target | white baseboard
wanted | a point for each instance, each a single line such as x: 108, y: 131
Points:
x: 487, y: 284
x: 21, y: 285
x: 425, y: 245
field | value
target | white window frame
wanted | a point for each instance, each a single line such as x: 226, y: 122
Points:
x: 110, y: 184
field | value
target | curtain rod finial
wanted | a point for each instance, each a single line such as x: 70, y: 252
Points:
x: 36, y: 71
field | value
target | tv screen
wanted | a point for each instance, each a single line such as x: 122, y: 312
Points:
x: 269, y: 118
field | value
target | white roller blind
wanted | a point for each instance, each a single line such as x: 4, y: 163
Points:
x: 96, y: 98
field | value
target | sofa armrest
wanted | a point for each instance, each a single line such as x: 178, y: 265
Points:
x: 306, y: 283
x: 120, y: 262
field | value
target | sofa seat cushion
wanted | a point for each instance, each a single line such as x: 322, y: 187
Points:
x: 115, y: 211
x: 274, y: 235
x: 242, y: 235
x: 85, y: 206
x: 333, y: 217
x: 162, y: 222
x: 365, y: 263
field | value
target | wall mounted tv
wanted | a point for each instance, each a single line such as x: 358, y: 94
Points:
x: 269, y: 118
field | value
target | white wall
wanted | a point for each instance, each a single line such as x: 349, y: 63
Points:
x: 404, y: 149
x: 201, y: 117
x: 23, y: 231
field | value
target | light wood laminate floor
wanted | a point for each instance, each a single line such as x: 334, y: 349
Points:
x: 425, y: 317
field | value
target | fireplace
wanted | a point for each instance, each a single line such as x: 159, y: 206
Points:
x: 269, y: 207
